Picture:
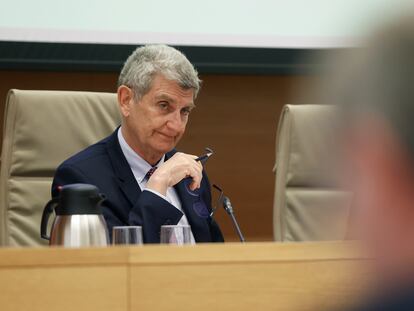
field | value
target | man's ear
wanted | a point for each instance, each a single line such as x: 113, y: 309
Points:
x: 125, y: 100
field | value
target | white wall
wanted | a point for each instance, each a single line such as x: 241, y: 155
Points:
x: 255, y: 23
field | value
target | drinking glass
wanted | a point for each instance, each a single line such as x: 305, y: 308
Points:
x: 127, y: 235
x: 178, y: 235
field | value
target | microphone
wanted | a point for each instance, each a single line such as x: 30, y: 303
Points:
x: 225, y: 202
x: 229, y: 209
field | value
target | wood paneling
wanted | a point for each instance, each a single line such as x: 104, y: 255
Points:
x: 258, y: 286
x: 258, y: 276
x: 82, y: 288
x: 236, y: 116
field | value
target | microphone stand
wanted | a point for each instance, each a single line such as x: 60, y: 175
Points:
x: 225, y: 201
x: 229, y: 209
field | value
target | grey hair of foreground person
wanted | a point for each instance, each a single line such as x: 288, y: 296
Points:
x: 377, y: 81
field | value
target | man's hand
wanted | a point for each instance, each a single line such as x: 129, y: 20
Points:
x: 171, y: 172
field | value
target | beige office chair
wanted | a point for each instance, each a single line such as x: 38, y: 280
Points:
x: 41, y: 129
x: 308, y: 205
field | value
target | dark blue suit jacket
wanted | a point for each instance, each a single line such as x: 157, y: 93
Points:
x: 105, y: 166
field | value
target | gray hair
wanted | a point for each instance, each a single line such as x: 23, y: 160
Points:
x: 378, y: 80
x: 145, y: 62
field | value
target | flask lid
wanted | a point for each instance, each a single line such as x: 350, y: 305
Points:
x: 79, y: 199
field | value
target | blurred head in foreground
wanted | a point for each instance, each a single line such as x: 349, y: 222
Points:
x: 375, y: 93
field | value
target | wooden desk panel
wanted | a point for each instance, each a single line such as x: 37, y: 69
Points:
x: 262, y: 286
x: 306, y: 276
x: 80, y: 288
x: 256, y: 276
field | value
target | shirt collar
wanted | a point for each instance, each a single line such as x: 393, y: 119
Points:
x: 138, y: 165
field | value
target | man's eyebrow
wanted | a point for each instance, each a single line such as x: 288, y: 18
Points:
x: 165, y: 97
x: 191, y: 105
x: 172, y: 100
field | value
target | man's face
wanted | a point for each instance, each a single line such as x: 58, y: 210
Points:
x: 155, y: 124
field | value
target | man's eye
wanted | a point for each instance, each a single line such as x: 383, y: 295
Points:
x: 163, y: 105
x: 186, y: 112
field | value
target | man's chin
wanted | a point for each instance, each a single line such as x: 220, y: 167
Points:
x: 164, y: 147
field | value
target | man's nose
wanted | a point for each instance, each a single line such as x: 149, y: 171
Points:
x: 175, y: 122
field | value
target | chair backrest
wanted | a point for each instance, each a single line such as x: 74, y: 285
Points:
x: 307, y: 204
x: 42, y: 129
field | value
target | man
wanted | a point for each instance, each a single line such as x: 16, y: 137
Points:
x: 146, y: 182
x: 375, y: 93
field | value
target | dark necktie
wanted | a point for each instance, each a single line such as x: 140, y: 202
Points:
x: 150, y: 172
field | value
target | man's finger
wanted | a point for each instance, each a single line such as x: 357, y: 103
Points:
x: 196, y: 176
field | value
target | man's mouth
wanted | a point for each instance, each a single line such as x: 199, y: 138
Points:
x: 172, y: 137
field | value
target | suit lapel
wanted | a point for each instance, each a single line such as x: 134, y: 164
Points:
x: 124, y: 176
x: 199, y: 225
